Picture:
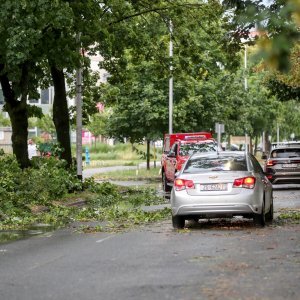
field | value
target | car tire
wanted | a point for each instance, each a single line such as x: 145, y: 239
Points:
x: 270, y: 214
x: 166, y: 187
x: 178, y: 222
x: 260, y: 219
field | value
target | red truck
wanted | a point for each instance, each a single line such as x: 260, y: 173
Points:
x: 177, y: 148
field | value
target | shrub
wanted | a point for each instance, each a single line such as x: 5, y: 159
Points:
x: 46, y: 181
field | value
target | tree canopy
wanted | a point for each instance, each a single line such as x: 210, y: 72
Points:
x: 41, y: 42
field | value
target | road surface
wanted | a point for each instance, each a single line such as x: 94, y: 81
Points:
x: 207, y: 260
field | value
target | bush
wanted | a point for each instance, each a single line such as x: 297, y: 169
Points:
x: 46, y: 181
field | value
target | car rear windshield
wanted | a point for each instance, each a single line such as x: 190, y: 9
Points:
x: 285, y: 153
x: 191, y: 148
x: 204, y: 164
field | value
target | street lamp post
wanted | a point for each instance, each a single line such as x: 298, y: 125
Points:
x: 79, y: 117
x: 245, y: 64
x: 171, y: 80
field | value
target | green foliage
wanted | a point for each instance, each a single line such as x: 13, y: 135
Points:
x: 139, y: 77
x: 286, y: 86
x: 5, y: 122
x: 118, y: 207
x: 46, y: 124
x: 46, y: 181
x: 50, y: 149
x: 144, y: 196
x: 34, y: 111
x: 279, y: 19
x: 97, y: 124
x: 290, y: 216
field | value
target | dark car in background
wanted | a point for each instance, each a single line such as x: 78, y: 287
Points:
x: 283, y: 164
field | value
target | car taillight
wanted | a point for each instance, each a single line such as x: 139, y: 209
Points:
x: 245, y: 182
x: 271, y: 162
x: 181, y: 184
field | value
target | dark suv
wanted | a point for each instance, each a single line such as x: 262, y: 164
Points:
x: 283, y: 165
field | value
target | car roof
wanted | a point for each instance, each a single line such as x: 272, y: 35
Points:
x: 219, y: 154
x: 291, y: 147
x: 206, y: 141
x: 290, y: 144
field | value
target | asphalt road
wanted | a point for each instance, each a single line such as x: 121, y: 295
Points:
x: 208, y: 260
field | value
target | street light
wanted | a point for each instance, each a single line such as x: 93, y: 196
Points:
x: 245, y: 63
x: 171, y: 80
x: 79, y: 116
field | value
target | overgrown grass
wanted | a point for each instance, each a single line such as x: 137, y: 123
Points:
x: 123, y: 153
x: 110, y: 163
x: 136, y: 174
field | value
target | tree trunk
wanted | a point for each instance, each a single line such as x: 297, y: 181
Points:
x: 250, y: 144
x: 19, y: 123
x: 148, y: 154
x: 267, y: 142
x: 61, y: 113
x: 255, y: 145
x: 17, y: 110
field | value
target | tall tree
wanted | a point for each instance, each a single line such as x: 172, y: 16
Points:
x: 278, y: 22
x: 141, y: 74
x: 17, y: 66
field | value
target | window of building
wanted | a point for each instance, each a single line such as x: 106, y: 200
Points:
x: 45, y: 96
x: 1, y: 97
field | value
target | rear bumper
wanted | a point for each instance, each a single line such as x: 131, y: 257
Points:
x: 215, y: 206
x: 284, y: 178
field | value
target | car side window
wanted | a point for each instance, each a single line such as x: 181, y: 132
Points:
x: 256, y: 165
x: 174, y: 148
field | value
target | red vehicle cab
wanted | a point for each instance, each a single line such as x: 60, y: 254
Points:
x: 177, y: 148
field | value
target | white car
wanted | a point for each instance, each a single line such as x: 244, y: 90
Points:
x: 221, y: 185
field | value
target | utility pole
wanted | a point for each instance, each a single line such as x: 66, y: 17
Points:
x: 245, y: 63
x: 277, y: 134
x: 171, y: 79
x: 79, y: 115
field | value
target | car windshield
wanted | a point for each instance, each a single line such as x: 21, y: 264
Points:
x: 285, y: 153
x: 191, y: 148
x: 223, y: 163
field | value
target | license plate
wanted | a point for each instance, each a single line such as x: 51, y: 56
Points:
x: 214, y: 187
x: 290, y: 166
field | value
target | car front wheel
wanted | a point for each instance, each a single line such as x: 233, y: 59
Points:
x: 178, y: 222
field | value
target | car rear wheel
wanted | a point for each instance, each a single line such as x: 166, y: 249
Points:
x: 269, y: 215
x: 178, y: 222
x: 260, y: 219
x: 166, y: 187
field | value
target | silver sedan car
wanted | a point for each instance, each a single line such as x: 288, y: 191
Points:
x: 221, y: 185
